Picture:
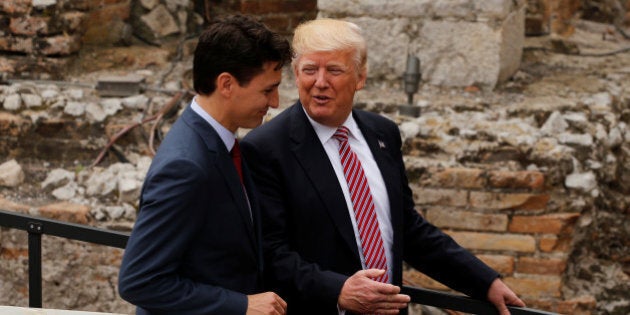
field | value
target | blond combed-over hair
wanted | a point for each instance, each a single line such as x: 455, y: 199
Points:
x: 330, y: 35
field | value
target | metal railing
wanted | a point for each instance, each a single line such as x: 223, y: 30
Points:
x: 37, y: 226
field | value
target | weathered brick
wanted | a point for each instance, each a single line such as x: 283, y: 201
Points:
x: 15, y: 7
x: 508, y: 201
x: 275, y: 6
x: 559, y: 223
x: 501, y: 263
x: 29, y: 25
x: 516, y: 180
x: 278, y: 23
x: 541, y: 266
x: 416, y: 278
x: 535, y: 286
x: 6, y: 65
x: 107, y: 14
x: 583, y: 305
x: 8, y: 205
x: 87, y: 5
x: 12, y: 125
x: 552, y: 243
x: 455, y: 178
x: 13, y: 253
x: 16, y: 44
x: 467, y: 220
x: 58, y: 45
x: 66, y: 211
x: 500, y: 242
x: 563, y: 12
x: 73, y: 21
x: 440, y: 197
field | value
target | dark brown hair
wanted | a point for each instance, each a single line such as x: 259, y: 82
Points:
x: 239, y: 45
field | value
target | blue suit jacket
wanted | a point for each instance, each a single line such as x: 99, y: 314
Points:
x: 309, y: 242
x: 195, y: 248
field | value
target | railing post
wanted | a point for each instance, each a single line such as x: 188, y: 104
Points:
x: 34, y: 264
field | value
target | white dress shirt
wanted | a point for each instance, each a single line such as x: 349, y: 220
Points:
x: 226, y: 136
x: 375, y: 180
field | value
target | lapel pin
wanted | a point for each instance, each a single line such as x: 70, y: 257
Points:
x: 381, y: 144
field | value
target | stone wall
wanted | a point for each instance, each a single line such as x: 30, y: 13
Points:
x: 459, y: 43
x: 38, y: 38
x: 34, y: 34
x: 535, y: 182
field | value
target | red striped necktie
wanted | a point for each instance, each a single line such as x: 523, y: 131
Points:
x: 364, y: 211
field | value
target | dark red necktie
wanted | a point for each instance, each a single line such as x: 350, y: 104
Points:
x: 236, y: 159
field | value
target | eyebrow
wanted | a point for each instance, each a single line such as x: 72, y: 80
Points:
x: 276, y: 84
x: 330, y: 64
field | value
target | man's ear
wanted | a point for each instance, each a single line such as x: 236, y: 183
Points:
x: 225, y: 84
x: 362, y: 78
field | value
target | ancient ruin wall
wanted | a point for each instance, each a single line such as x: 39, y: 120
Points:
x: 524, y: 188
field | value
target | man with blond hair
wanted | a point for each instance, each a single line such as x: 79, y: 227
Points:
x: 338, y: 213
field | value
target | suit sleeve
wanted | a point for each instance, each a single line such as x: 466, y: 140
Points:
x: 170, y: 217
x: 433, y: 252
x: 288, y: 272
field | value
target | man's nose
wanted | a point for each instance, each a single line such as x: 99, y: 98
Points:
x: 321, y: 79
x: 274, y: 100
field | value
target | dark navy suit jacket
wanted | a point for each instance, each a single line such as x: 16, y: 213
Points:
x: 309, y: 241
x: 195, y: 248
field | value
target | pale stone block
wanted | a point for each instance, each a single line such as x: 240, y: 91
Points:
x: 160, y: 21
x: 388, y: 45
x: 11, y: 174
x: 459, y: 43
x: 377, y: 8
x: 12, y: 102
x: 44, y: 3
x: 512, y: 43
x: 149, y: 4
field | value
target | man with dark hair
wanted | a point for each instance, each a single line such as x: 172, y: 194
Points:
x: 196, y: 245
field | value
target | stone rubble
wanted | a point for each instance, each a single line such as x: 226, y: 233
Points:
x: 567, y: 116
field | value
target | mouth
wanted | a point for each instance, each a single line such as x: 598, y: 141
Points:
x: 321, y: 98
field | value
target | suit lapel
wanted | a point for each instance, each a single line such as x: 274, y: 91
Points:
x: 254, y: 211
x: 224, y: 165
x: 310, y: 153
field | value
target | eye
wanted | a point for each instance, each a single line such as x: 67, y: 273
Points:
x: 309, y: 71
x: 269, y: 90
x: 336, y: 71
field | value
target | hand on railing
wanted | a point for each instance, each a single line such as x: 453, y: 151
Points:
x: 500, y: 295
x: 267, y: 303
x: 361, y: 294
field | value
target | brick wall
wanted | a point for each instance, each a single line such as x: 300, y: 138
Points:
x: 280, y: 15
x: 556, y: 16
x: 37, y: 37
x: 504, y: 218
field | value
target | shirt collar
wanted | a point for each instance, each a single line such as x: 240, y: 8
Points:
x: 324, y: 133
x: 226, y: 136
